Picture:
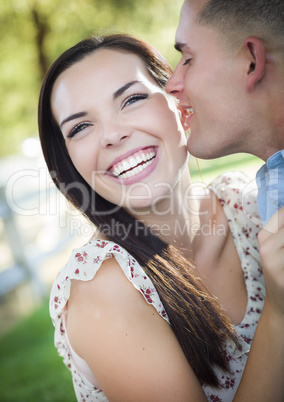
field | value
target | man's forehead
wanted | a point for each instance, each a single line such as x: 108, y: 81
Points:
x: 191, y: 8
x: 196, y: 4
x: 188, y: 19
x: 185, y: 22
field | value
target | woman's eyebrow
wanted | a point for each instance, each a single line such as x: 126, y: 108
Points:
x: 123, y: 89
x: 117, y: 93
x: 73, y: 117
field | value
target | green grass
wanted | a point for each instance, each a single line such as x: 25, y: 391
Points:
x: 30, y: 369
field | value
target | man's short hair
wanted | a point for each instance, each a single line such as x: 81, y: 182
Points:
x: 238, y: 19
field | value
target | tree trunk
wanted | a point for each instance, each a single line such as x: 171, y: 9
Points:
x: 41, y: 26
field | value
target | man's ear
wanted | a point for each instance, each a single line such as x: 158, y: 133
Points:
x: 257, y: 54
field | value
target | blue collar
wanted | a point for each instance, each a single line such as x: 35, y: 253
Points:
x: 270, y: 183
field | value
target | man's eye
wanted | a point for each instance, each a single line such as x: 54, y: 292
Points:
x: 78, y: 128
x: 187, y: 61
x: 133, y: 99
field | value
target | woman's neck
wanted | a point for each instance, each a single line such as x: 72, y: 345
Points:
x: 175, y: 219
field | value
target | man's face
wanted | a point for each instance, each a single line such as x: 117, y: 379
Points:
x: 210, y: 81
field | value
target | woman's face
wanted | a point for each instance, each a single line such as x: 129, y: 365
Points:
x: 122, y: 131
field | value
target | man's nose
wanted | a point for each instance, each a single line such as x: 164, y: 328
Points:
x: 175, y: 84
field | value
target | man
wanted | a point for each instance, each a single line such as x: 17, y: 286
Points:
x: 230, y: 84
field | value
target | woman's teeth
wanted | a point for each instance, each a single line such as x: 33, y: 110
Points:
x: 134, y: 164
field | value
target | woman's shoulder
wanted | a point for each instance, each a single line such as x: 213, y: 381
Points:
x: 111, y: 327
x: 100, y: 305
x: 83, y: 266
x: 232, y: 184
x: 238, y: 196
x: 224, y: 197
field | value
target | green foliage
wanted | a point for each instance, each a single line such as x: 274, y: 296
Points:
x: 30, y: 369
x: 35, y: 32
x: 210, y: 169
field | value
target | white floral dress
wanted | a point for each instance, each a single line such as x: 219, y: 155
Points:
x: 86, y: 261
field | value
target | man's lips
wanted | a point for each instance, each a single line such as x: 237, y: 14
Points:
x: 186, y: 113
x: 133, y: 164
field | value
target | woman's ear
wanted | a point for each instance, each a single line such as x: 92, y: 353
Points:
x: 257, y: 54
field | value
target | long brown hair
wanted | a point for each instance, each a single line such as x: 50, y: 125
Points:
x: 198, y: 322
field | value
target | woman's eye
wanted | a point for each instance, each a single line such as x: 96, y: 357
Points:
x: 78, y: 128
x: 134, y: 98
x: 186, y: 62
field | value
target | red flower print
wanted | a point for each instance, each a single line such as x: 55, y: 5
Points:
x: 82, y: 257
x: 230, y: 383
x: 77, y: 271
x: 214, y: 398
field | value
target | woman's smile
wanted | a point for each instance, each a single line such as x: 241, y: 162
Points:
x: 133, y: 168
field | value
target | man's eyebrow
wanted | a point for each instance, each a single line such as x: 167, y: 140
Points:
x: 179, y: 46
x: 123, y: 89
x: 73, y: 117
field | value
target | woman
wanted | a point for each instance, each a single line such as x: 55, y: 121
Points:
x: 145, y: 310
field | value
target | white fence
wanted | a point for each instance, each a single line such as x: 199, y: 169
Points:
x: 34, y: 224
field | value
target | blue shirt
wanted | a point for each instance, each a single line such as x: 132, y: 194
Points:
x: 270, y: 183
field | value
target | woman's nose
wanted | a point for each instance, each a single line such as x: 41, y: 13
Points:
x: 114, y: 135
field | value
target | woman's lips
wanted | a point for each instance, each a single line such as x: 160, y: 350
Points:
x: 135, y: 166
x: 136, y: 163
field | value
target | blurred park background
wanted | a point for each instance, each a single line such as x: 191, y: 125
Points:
x: 37, y: 228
